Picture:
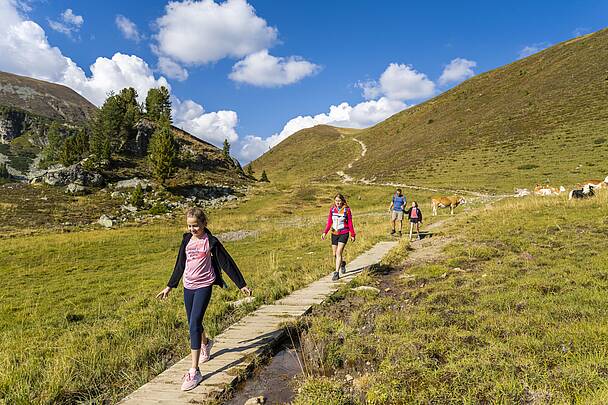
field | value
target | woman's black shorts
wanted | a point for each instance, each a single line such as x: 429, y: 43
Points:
x: 339, y: 238
x: 414, y: 220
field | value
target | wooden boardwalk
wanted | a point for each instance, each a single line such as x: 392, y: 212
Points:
x: 236, y: 349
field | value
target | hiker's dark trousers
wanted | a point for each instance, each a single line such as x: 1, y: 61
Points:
x: 196, y: 302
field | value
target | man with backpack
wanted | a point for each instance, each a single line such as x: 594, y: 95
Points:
x: 396, y: 209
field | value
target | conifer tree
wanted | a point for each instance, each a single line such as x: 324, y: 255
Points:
x: 162, y: 151
x: 264, y: 177
x: 250, y: 170
x: 158, y: 103
x: 54, y: 144
x: 226, y: 149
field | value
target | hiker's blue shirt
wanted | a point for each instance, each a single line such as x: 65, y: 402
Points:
x: 398, y: 203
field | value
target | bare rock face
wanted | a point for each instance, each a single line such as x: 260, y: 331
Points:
x: 139, y: 145
x: 11, y: 125
x: 73, y: 174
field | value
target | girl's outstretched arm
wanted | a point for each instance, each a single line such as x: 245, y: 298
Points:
x: 228, y: 265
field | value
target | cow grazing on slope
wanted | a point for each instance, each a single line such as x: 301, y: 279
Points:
x: 585, y: 192
x: 452, y: 201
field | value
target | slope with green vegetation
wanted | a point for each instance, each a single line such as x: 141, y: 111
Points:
x: 540, y: 119
x: 513, y: 310
x: 314, y: 152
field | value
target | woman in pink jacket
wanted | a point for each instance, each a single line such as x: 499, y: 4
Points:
x: 340, y: 222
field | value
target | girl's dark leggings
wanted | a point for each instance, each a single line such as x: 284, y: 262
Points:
x: 196, y: 302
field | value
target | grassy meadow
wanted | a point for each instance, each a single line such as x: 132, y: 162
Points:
x: 514, y: 311
x: 78, y: 319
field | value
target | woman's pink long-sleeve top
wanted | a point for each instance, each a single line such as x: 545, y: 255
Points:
x: 340, y: 221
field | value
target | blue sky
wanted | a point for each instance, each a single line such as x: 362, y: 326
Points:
x: 367, y: 59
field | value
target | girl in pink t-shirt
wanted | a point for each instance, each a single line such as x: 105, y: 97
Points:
x: 200, y: 260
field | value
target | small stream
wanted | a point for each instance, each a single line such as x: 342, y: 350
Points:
x: 275, y: 381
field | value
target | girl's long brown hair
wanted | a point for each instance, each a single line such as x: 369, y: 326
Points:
x: 341, y: 197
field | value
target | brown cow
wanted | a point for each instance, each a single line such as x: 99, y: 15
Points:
x: 446, y: 201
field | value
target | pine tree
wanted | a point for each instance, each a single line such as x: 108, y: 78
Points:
x: 55, y: 142
x: 68, y: 154
x: 158, y: 104
x: 162, y: 151
x: 226, y: 149
x: 114, y: 123
x: 264, y: 177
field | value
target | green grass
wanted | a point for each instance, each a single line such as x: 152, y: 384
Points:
x: 525, y: 323
x: 78, y: 318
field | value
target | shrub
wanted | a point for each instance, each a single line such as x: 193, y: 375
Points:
x: 159, y: 208
x: 137, y: 197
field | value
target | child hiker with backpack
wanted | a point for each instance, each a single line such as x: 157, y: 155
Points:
x: 340, y: 221
x: 415, y: 216
x: 201, y: 259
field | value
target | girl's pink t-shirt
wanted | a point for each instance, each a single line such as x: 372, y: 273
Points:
x: 199, y: 269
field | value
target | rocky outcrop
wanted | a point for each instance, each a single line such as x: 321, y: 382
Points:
x: 15, y: 122
x: 73, y: 174
x: 139, y: 145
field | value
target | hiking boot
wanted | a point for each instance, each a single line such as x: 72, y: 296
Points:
x: 399, y: 233
x: 335, y: 277
x: 192, y: 379
x: 393, y: 232
x: 206, y: 351
x: 343, y: 267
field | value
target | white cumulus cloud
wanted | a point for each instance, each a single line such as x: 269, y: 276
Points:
x: 212, y: 127
x: 200, y: 32
x: 128, y: 28
x: 172, y: 69
x: 399, y: 82
x: 403, y: 82
x: 457, y: 70
x: 264, y: 70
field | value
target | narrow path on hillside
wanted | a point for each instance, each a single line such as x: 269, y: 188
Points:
x: 345, y: 177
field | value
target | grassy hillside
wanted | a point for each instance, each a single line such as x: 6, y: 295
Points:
x: 543, y: 118
x: 318, y: 152
x: 513, y: 311
x: 43, y: 98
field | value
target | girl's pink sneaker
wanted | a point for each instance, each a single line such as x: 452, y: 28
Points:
x: 206, y: 351
x: 191, y: 380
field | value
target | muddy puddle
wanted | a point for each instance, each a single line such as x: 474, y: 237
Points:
x: 275, y: 381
